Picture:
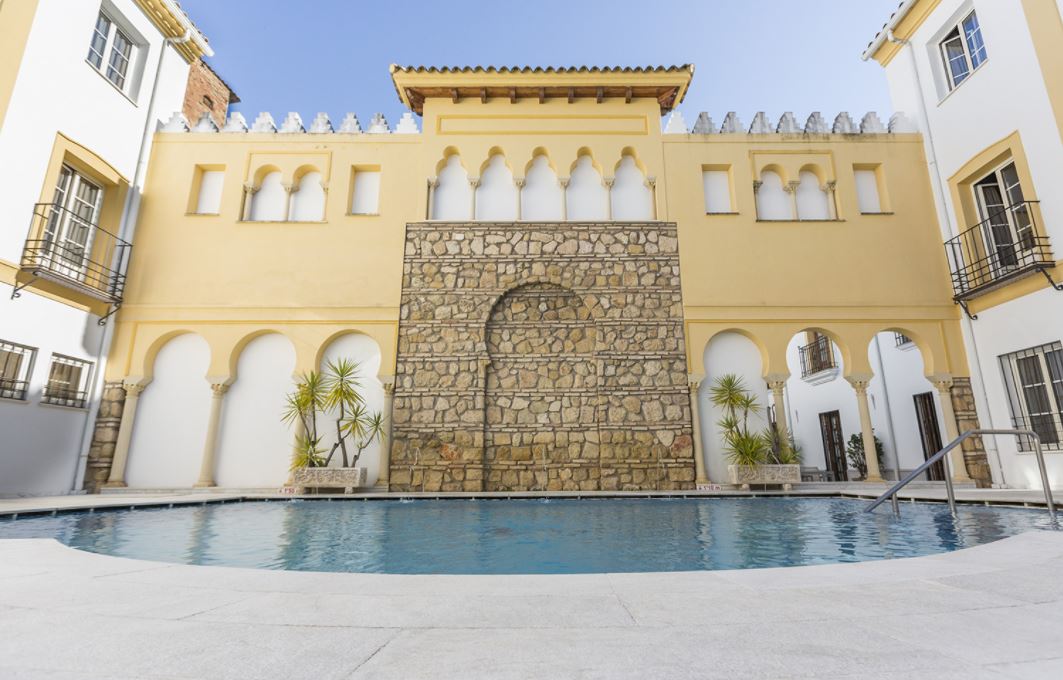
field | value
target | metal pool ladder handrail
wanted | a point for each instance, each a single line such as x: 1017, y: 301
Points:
x: 943, y: 456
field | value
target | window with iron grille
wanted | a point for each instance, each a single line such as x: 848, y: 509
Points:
x: 901, y: 339
x: 16, y: 366
x: 68, y: 382
x: 111, y: 51
x: 1034, y: 381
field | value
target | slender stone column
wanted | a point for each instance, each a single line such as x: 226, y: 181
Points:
x: 609, y: 181
x: 563, y: 181
x: 290, y: 189
x: 125, y: 436
x: 860, y: 384
x: 474, y: 182
x: 382, y: 482
x: 791, y: 189
x: 694, y: 382
x: 832, y: 202
x: 651, y: 183
x: 519, y: 182
x: 249, y: 196
x: 943, y: 383
x: 206, y: 467
x: 433, y: 182
x: 777, y: 385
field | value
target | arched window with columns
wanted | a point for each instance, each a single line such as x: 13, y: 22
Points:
x: 541, y: 198
x: 308, y: 198
x: 452, y: 196
x: 630, y: 196
x: 496, y: 196
x: 269, y: 202
x: 813, y: 200
x: 773, y: 201
x: 587, y: 196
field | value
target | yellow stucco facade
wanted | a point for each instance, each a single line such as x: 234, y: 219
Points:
x: 229, y: 279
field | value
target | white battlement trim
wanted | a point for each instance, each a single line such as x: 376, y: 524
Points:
x: 870, y: 124
x: 292, y: 125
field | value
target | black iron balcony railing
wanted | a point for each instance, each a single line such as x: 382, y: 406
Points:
x: 817, y: 356
x: 13, y: 389
x: 1006, y: 246
x: 57, y: 396
x: 66, y: 248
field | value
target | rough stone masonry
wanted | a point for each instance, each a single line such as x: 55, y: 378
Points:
x: 540, y: 356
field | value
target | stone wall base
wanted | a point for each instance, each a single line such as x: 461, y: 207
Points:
x: 974, y: 453
x: 104, y: 436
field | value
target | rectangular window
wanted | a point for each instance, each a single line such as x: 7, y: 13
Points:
x: 1034, y: 381
x: 717, y: 183
x: 901, y: 340
x: 365, y: 192
x: 16, y: 366
x: 68, y: 382
x: 963, y: 50
x: 867, y: 193
x: 211, y: 183
x: 111, y: 51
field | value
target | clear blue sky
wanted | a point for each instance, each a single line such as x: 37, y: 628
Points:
x: 751, y: 55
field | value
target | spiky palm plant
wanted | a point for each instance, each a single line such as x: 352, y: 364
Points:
x: 743, y: 446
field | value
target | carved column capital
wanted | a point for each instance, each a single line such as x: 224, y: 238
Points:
x: 219, y: 389
x: 563, y: 181
x: 433, y: 182
x: 694, y: 381
x: 776, y: 381
x: 474, y: 182
x: 609, y: 182
x: 519, y: 182
x: 133, y: 389
x: 943, y: 382
x: 290, y: 187
x: 860, y: 382
x: 791, y: 187
x: 651, y: 182
x: 388, y: 381
x: 757, y: 184
x: 831, y: 186
x: 251, y: 189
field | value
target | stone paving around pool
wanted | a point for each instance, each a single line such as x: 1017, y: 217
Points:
x: 995, y: 611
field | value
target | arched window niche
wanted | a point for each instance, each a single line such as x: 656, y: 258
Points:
x: 269, y: 199
x: 308, y: 197
x: 587, y: 198
x: 813, y: 198
x: 496, y: 195
x: 452, y: 195
x: 631, y: 198
x: 773, y: 201
x: 541, y: 199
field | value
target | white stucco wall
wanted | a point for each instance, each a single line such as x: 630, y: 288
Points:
x: 541, y: 198
x: 254, y: 447
x: 452, y: 198
x: 496, y: 197
x: 587, y: 197
x: 57, y: 91
x: 40, y: 443
x: 171, y: 422
x: 1007, y: 94
x: 630, y: 196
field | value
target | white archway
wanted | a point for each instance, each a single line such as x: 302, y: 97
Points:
x: 541, y: 199
x: 364, y: 351
x: 270, y: 202
x: 254, y: 444
x: 171, y: 424
x: 452, y: 198
x: 496, y: 197
x: 631, y: 198
x: 728, y: 353
x: 587, y: 197
x: 773, y: 203
x: 308, y: 202
x: 812, y: 200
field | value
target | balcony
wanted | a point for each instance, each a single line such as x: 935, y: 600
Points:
x: 64, y: 249
x: 1003, y: 248
x: 817, y: 360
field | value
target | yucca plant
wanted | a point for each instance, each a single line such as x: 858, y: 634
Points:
x: 335, y: 393
x: 743, y: 446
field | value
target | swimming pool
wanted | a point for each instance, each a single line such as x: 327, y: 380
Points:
x: 535, y: 536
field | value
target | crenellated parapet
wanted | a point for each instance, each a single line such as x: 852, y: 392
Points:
x: 816, y: 124
x: 292, y: 124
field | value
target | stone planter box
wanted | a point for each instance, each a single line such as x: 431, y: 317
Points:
x: 347, y: 479
x: 784, y: 475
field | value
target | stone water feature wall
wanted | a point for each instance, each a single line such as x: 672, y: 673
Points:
x: 541, y: 357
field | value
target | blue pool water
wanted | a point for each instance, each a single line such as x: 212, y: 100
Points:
x: 527, y: 536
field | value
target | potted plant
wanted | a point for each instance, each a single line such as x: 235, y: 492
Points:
x: 855, y: 450
x: 755, y: 456
x: 333, y: 396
